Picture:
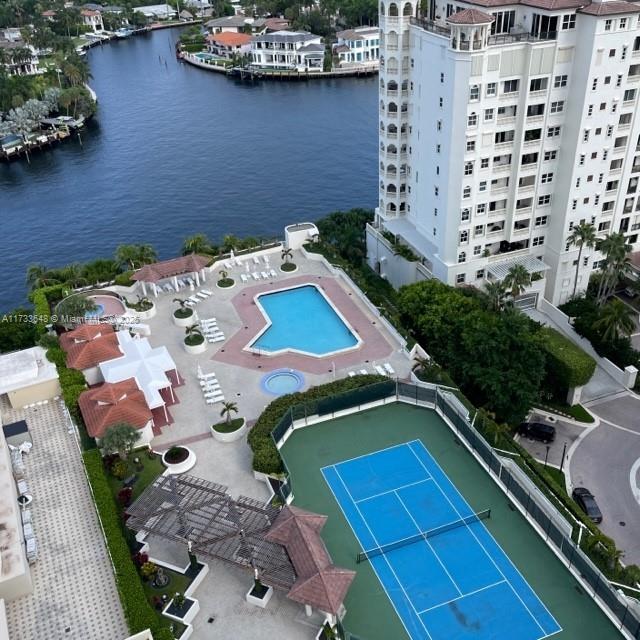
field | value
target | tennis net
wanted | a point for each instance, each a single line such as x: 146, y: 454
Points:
x: 423, y: 535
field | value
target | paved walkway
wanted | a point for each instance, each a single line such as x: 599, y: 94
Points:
x: 74, y: 595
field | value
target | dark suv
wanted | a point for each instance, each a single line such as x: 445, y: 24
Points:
x: 587, y: 503
x: 537, y: 431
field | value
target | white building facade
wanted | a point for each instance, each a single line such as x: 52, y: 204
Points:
x: 288, y: 51
x: 503, y: 125
x: 359, y: 46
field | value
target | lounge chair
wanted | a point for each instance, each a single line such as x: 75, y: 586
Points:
x: 213, y: 394
x: 265, y: 260
x: 379, y: 370
x: 265, y: 275
x: 255, y: 260
x: 244, y: 278
x: 189, y: 281
x: 255, y: 275
x: 190, y: 303
x: 215, y: 400
x: 238, y: 262
x: 201, y: 295
x: 208, y: 381
x: 204, y: 376
x: 194, y: 299
x: 218, y: 339
x: 208, y: 320
x: 227, y: 265
x: 389, y: 369
x: 214, y: 388
x: 272, y: 273
x: 352, y: 374
x: 206, y: 292
x: 363, y: 372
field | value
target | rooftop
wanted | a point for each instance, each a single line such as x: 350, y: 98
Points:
x: 230, y: 39
x: 470, y: 16
x: 89, y: 345
x: 500, y: 270
x: 606, y: 7
x: 24, y: 369
x: 359, y: 33
x: 287, y: 36
x: 168, y: 268
x: 228, y: 21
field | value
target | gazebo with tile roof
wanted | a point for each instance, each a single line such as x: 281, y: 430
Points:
x: 191, y: 265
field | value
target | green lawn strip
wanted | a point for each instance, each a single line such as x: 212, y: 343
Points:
x: 577, y: 412
x: 558, y: 476
x: 228, y: 427
x: 151, y: 469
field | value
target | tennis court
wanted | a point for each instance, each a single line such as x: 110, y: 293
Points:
x: 444, y: 573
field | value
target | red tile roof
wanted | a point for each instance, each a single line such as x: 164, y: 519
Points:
x: 112, y: 403
x: 89, y: 12
x: 168, y: 268
x: 90, y: 344
x: 49, y: 13
x: 612, y: 7
x: 470, y: 16
x: 319, y: 583
x: 608, y: 7
x: 230, y: 39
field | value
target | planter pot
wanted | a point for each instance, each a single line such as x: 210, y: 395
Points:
x: 185, y: 614
x: 184, y: 322
x: 174, y: 468
x: 229, y: 287
x: 291, y: 270
x: 259, y: 602
x: 196, y: 348
x: 144, y: 315
x: 233, y: 435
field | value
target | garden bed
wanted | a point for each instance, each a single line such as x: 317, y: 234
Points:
x: 288, y: 267
x: 229, y: 431
x: 178, y: 459
x: 226, y: 283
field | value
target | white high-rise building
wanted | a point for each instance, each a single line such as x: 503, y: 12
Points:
x: 502, y: 125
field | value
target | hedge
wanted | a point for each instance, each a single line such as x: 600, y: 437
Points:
x: 42, y: 300
x: 138, y: 612
x: 124, y: 279
x: 266, y: 457
x: 567, y: 364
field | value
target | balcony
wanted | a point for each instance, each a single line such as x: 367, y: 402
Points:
x: 501, y: 168
x: 512, y: 95
x: 392, y: 93
x: 391, y: 47
x: 523, y: 211
x: 509, y: 38
x: 500, y: 120
x: 531, y: 143
x: 499, y: 189
x: 521, y: 232
x: 497, y: 212
x: 431, y: 26
x: 526, y: 188
x: 503, y: 145
x: 624, y: 127
x: 534, y: 119
x: 537, y: 94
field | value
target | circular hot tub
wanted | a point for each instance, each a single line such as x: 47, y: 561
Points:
x: 282, y: 381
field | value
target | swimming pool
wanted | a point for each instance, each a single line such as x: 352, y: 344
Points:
x: 98, y: 312
x: 302, y: 320
x: 282, y: 381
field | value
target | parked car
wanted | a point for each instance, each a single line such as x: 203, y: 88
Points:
x: 587, y: 503
x: 538, y: 431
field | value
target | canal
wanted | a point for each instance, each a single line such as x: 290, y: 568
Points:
x: 176, y: 150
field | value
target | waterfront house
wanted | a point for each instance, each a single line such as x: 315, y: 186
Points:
x: 186, y: 16
x: 360, y: 46
x: 275, y: 24
x: 228, y: 45
x: 288, y: 51
x: 235, y: 24
x: 92, y: 19
x: 20, y: 58
x: 49, y: 15
x: 157, y: 12
x: 114, y: 9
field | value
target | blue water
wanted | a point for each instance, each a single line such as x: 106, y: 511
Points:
x: 281, y: 382
x: 97, y: 312
x: 176, y: 150
x: 303, y: 321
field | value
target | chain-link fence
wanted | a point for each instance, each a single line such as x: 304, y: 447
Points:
x: 532, y: 503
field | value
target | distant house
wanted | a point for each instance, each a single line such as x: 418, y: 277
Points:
x: 228, y: 45
x: 288, y: 51
x: 235, y: 24
x: 186, y: 16
x: 276, y: 24
x: 49, y: 15
x: 157, y: 12
x: 358, y: 46
x: 92, y: 19
x: 20, y: 59
x: 114, y: 9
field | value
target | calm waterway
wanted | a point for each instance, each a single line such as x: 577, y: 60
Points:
x: 175, y: 151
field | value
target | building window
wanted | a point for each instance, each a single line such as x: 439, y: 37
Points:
x: 471, y: 145
x: 590, y: 110
x: 505, y: 136
x: 577, y: 183
x: 479, y: 273
x: 435, y: 191
x: 596, y: 198
x: 538, y: 84
x: 574, y: 205
x: 474, y: 92
x: 535, y: 110
x: 466, y: 192
x: 477, y: 250
x: 510, y: 86
x: 622, y: 24
x: 623, y: 55
x: 550, y: 155
x: 460, y: 278
x: 612, y: 53
x: 541, y: 221
x: 629, y: 94
x: 464, y: 237
x: 538, y: 241
x: 557, y: 107
x: 484, y: 163
x: 604, y: 226
x: 438, y: 148
x: 581, y: 159
x: 442, y: 78
x: 560, y: 81
x: 488, y: 115
x: 543, y: 201
x: 462, y: 257
x: 607, y: 79
x: 503, y: 22
x: 594, y: 84
x: 605, y: 153
x: 569, y: 21
x: 585, y: 135
x: 615, y: 164
x: 553, y: 132
x: 603, y: 106
x: 441, y: 102
x: 546, y: 178
x: 608, y: 24
x: 618, y: 80
x: 468, y: 168
x: 482, y: 186
x: 481, y: 209
x: 492, y: 89
x: 472, y: 119
x: 439, y: 125
x: 478, y: 231
x: 465, y: 214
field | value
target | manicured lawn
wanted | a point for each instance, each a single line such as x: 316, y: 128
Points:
x: 150, y: 470
x: 577, y: 412
x: 558, y: 476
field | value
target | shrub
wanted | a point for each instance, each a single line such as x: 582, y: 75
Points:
x: 139, y: 614
x: 124, y: 496
x: 266, y: 458
x: 148, y: 570
x: 124, y: 279
x: 567, y: 365
x: 119, y: 469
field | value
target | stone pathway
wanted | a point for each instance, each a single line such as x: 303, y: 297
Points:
x: 75, y: 596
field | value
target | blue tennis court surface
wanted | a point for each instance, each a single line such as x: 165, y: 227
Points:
x: 457, y: 585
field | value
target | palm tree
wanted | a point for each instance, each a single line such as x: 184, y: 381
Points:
x: 615, y: 320
x: 583, y: 235
x: 615, y: 250
x: 39, y: 276
x: 193, y: 331
x: 228, y: 408
x: 182, y: 302
x: 420, y: 363
x: 287, y: 254
x: 135, y: 255
x: 517, y: 279
x: 495, y: 292
x: 198, y: 243
x: 72, y: 274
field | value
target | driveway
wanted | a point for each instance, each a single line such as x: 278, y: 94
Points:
x: 604, y: 461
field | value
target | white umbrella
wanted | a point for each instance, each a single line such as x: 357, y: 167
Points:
x: 199, y: 371
x: 246, y: 266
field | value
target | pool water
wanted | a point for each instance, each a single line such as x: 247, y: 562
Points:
x: 97, y: 312
x: 303, y: 321
x: 283, y: 381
